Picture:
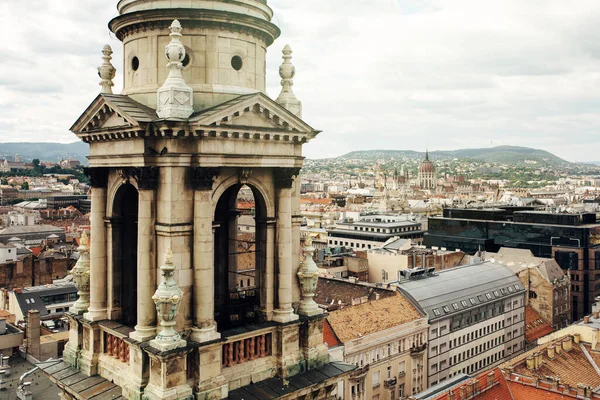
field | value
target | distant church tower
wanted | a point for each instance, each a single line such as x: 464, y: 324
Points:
x: 427, y: 173
x: 160, y: 313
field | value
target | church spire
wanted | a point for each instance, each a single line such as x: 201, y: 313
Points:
x: 287, y: 71
x: 175, y: 98
x: 426, y: 154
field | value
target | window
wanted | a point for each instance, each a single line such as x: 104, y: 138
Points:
x: 446, y: 309
x: 517, y: 287
x: 489, y: 296
x: 472, y: 300
x: 237, y: 63
x: 455, y: 306
x: 389, y: 372
x: 496, y: 293
x: 436, y: 312
x: 375, y: 378
x: 464, y: 303
x: 402, y: 367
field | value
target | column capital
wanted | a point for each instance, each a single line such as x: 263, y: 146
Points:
x: 203, y: 177
x: 98, y: 176
x: 284, y: 177
x: 146, y: 177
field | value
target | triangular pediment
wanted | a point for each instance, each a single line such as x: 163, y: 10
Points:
x: 112, y: 112
x: 256, y: 111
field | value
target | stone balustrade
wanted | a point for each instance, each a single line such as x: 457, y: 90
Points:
x: 116, y: 347
x: 248, y: 349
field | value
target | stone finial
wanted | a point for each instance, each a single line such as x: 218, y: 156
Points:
x: 106, y: 71
x: 168, y: 298
x: 81, y: 277
x: 175, y: 97
x: 287, y: 71
x: 308, y: 274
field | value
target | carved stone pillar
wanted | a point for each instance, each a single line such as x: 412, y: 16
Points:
x: 147, y: 181
x: 81, y: 277
x: 98, y: 287
x: 283, y: 178
x: 308, y: 274
x: 205, y: 328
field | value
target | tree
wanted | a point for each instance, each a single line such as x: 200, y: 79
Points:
x: 25, y: 186
x: 36, y: 162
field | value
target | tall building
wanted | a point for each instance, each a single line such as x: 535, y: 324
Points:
x: 164, y: 317
x: 427, y: 173
x: 573, y: 240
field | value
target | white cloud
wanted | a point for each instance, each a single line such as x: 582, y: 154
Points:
x: 397, y: 74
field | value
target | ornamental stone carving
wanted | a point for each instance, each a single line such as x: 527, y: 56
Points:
x: 284, y: 177
x: 287, y: 71
x: 98, y: 176
x: 81, y: 277
x: 175, y: 99
x: 146, y: 177
x: 308, y: 274
x: 106, y: 71
x: 203, y: 178
x: 167, y: 298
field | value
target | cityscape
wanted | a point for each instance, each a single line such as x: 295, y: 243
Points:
x: 197, y: 235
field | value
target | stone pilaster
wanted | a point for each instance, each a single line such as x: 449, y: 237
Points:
x: 205, y: 328
x: 147, y: 180
x: 72, y: 351
x: 91, y: 348
x: 98, y: 288
x: 168, y: 379
x: 283, y: 178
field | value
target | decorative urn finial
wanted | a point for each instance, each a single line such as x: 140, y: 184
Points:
x: 81, y: 277
x: 308, y: 274
x: 287, y: 71
x: 168, y: 298
x: 175, y: 97
x: 106, y: 71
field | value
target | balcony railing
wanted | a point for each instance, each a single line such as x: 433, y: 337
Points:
x: 116, y: 347
x: 390, y: 383
x: 249, y: 349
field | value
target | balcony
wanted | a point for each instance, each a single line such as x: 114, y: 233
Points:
x: 359, y: 373
x: 418, y: 350
x: 248, y: 349
x: 390, y: 383
x: 116, y: 347
x: 401, y: 374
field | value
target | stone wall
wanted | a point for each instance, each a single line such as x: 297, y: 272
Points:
x: 32, y: 271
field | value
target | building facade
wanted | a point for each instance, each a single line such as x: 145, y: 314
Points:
x: 573, y: 240
x: 168, y: 158
x: 476, y: 317
x: 387, y: 340
x: 371, y: 231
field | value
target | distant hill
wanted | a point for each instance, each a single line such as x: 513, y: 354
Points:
x: 501, y: 154
x: 45, y: 151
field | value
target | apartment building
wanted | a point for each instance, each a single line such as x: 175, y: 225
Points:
x: 476, y: 317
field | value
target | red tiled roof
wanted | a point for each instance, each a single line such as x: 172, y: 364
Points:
x: 535, y: 326
x: 525, y: 392
x: 497, y: 389
x: 329, y: 337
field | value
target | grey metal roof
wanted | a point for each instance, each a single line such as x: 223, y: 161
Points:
x: 458, y: 289
x: 130, y: 107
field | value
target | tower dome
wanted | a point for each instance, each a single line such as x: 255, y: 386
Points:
x: 427, y: 173
x: 427, y: 165
x: 225, y: 43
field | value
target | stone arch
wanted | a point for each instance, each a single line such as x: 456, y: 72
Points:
x: 235, y: 305
x: 123, y: 207
x: 256, y: 185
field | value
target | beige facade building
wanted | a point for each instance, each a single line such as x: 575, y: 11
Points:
x: 548, y: 287
x: 160, y: 313
x: 387, y: 340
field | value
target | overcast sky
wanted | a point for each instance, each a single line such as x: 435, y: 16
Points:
x: 372, y: 74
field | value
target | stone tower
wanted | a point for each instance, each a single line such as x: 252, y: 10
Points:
x: 168, y: 157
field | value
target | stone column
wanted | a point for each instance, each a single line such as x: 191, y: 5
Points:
x: 147, y: 180
x: 284, y: 178
x: 205, y: 328
x: 98, y: 287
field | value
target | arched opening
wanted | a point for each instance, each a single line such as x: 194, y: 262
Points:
x: 239, y: 239
x: 124, y: 244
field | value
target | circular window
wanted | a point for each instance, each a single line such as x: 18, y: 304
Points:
x: 237, y: 63
x: 135, y: 63
x: 186, y: 60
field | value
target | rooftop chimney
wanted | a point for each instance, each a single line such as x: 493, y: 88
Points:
x: 577, y: 337
x: 551, y: 352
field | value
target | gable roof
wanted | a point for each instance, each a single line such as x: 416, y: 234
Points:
x: 258, y: 103
x: 535, y: 326
x: 374, y: 316
x: 105, y: 105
